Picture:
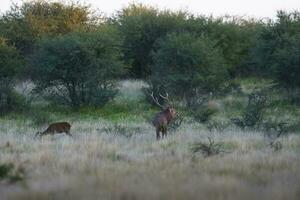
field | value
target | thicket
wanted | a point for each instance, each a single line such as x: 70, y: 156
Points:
x: 10, y: 63
x: 142, y: 26
x: 72, y: 53
x: 187, y: 66
x: 79, y: 68
x: 277, y: 52
x: 24, y: 24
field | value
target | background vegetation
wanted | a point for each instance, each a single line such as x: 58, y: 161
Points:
x: 234, y: 81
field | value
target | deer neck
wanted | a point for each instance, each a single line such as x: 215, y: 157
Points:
x: 168, y: 116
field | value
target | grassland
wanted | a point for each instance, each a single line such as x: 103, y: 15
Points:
x: 114, y: 155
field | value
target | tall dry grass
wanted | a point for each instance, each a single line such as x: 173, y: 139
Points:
x: 95, y: 164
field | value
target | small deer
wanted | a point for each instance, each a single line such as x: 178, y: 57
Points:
x: 59, y: 127
x: 163, y: 118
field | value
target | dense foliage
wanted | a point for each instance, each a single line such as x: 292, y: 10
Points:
x: 187, y: 66
x: 141, y: 26
x: 78, y: 56
x: 79, y: 68
x: 10, y: 62
x: 23, y: 25
x: 277, y: 53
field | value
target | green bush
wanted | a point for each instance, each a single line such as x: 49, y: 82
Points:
x: 276, y: 145
x: 276, y: 54
x: 79, y: 68
x: 207, y: 149
x: 203, y: 114
x: 141, y: 26
x: 187, y: 66
x: 253, y: 114
x: 12, y: 101
x: 10, y: 173
x: 121, y: 130
x: 176, y: 123
x: 10, y: 62
x: 24, y: 24
x: 235, y: 37
x: 39, y: 117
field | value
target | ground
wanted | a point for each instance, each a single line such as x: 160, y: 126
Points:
x: 116, y: 156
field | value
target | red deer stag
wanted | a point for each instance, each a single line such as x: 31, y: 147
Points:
x: 59, y: 127
x: 163, y: 118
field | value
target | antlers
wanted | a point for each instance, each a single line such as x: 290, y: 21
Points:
x: 166, y: 98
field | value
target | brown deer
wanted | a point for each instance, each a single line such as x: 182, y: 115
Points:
x: 59, y: 127
x: 163, y: 118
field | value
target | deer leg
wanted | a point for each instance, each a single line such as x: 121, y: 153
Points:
x: 164, y: 132
x: 38, y: 135
x: 69, y: 134
x: 157, y: 134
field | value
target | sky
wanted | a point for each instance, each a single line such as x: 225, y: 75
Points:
x: 247, y: 8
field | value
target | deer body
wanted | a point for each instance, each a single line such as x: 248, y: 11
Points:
x: 59, y: 127
x: 161, y: 121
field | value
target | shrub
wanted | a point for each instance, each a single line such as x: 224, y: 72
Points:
x: 276, y: 145
x: 187, y: 66
x: 10, y: 62
x: 253, y: 113
x: 141, y: 26
x: 276, y: 54
x: 176, y: 123
x: 235, y: 37
x: 12, y: 101
x: 24, y: 24
x: 10, y: 173
x: 119, y: 129
x: 274, y: 130
x: 207, y: 149
x: 216, y: 125
x: 274, y: 127
x: 79, y: 68
x: 203, y: 114
x: 254, y: 110
x: 39, y: 117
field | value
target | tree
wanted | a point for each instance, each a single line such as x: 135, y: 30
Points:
x: 10, y: 62
x: 287, y: 66
x: 187, y: 66
x: 276, y: 54
x: 235, y: 37
x: 141, y: 26
x: 79, y: 68
x: 23, y: 25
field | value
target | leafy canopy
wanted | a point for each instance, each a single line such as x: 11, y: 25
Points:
x: 23, y: 24
x: 278, y: 48
x: 79, y: 68
x: 186, y: 66
x: 10, y: 62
